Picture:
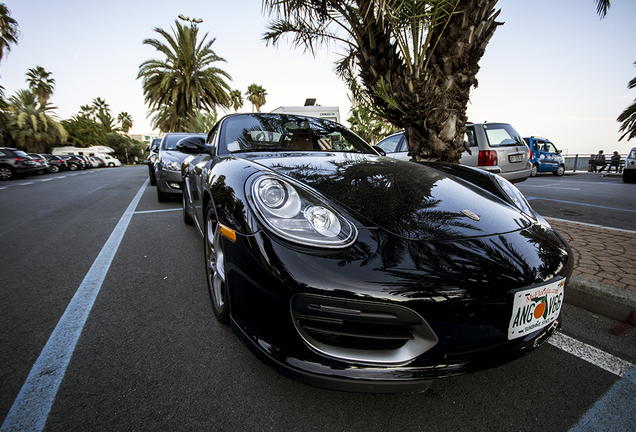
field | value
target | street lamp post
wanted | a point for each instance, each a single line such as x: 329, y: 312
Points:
x: 193, y: 23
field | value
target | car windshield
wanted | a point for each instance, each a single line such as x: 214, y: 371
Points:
x: 276, y: 132
x: 502, y: 135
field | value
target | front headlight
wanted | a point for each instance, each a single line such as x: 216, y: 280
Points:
x: 514, y: 196
x: 298, y: 214
x: 171, y: 165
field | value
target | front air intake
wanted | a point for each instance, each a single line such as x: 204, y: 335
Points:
x: 361, y: 331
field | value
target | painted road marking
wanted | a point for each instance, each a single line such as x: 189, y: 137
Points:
x: 591, y: 225
x: 616, y: 410
x: 530, y: 198
x: 157, y: 211
x: 599, y: 358
x: 33, y: 404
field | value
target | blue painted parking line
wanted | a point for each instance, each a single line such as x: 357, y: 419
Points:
x: 529, y: 198
x: 616, y: 411
x: 33, y: 404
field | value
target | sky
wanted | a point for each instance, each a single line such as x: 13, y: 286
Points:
x: 554, y: 69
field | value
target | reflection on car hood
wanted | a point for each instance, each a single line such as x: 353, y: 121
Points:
x: 407, y: 199
x: 173, y: 155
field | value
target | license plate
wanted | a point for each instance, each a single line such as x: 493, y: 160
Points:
x: 535, y: 308
x: 516, y: 158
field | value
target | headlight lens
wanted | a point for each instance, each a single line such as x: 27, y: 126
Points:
x: 172, y: 165
x: 299, y: 215
x: 514, y: 196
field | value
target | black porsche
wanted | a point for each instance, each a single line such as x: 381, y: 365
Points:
x: 348, y: 270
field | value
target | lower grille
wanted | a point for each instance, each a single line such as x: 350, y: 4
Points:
x: 361, y: 331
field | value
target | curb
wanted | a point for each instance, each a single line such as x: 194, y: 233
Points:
x: 611, y: 302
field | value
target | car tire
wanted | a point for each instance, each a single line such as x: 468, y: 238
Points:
x: 54, y: 169
x: 162, y: 197
x: 151, y: 176
x: 560, y: 171
x: 111, y: 165
x: 73, y: 167
x: 187, y: 219
x: 7, y: 173
x: 534, y: 171
x: 628, y: 178
x: 215, y: 266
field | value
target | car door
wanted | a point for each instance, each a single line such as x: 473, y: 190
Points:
x: 395, y: 146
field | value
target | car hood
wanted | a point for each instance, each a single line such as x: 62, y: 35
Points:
x: 173, y: 155
x: 408, y: 199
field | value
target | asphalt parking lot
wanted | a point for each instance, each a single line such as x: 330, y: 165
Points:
x: 150, y: 355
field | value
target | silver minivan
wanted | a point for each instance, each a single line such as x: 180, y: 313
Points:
x: 494, y: 147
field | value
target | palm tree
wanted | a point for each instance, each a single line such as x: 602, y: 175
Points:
x: 628, y: 117
x: 40, y: 83
x: 256, y: 95
x: 412, y: 62
x: 236, y: 99
x: 201, y: 121
x: 84, y: 131
x: 368, y: 126
x: 31, y: 124
x: 9, y: 32
x: 125, y: 120
x: 185, y: 79
x: 100, y: 107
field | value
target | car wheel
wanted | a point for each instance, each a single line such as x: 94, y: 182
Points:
x: 54, y: 169
x: 7, y: 173
x: 187, y: 219
x: 111, y: 165
x: 628, y: 178
x: 73, y: 166
x: 560, y: 171
x: 151, y: 175
x: 215, y: 267
x: 534, y: 171
x: 162, y: 197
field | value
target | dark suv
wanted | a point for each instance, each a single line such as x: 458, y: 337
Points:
x: 16, y: 163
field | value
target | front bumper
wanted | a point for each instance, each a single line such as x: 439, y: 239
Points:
x: 461, y: 290
x: 169, y: 181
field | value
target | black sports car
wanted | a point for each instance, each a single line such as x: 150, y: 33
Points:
x: 349, y: 270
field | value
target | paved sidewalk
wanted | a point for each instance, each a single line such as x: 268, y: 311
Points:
x: 604, y: 277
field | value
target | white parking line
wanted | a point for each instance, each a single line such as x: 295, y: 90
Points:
x: 157, y: 211
x: 33, y: 404
x: 599, y: 358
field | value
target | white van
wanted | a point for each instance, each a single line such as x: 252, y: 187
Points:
x: 99, y: 151
x: 329, y: 113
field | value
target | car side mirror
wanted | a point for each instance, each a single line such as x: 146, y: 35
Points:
x: 380, y: 150
x: 192, y: 144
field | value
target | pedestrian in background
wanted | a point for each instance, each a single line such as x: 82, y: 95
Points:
x: 599, y: 160
x: 615, y: 161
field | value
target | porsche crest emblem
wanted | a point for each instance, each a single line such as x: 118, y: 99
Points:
x: 470, y: 214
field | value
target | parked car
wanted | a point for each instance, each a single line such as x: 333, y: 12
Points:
x: 167, y: 166
x: 15, y: 163
x: 41, y: 161
x: 494, y: 147
x: 153, y: 150
x: 352, y: 271
x: 544, y: 156
x: 56, y: 163
x: 629, y: 171
x: 74, y: 162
